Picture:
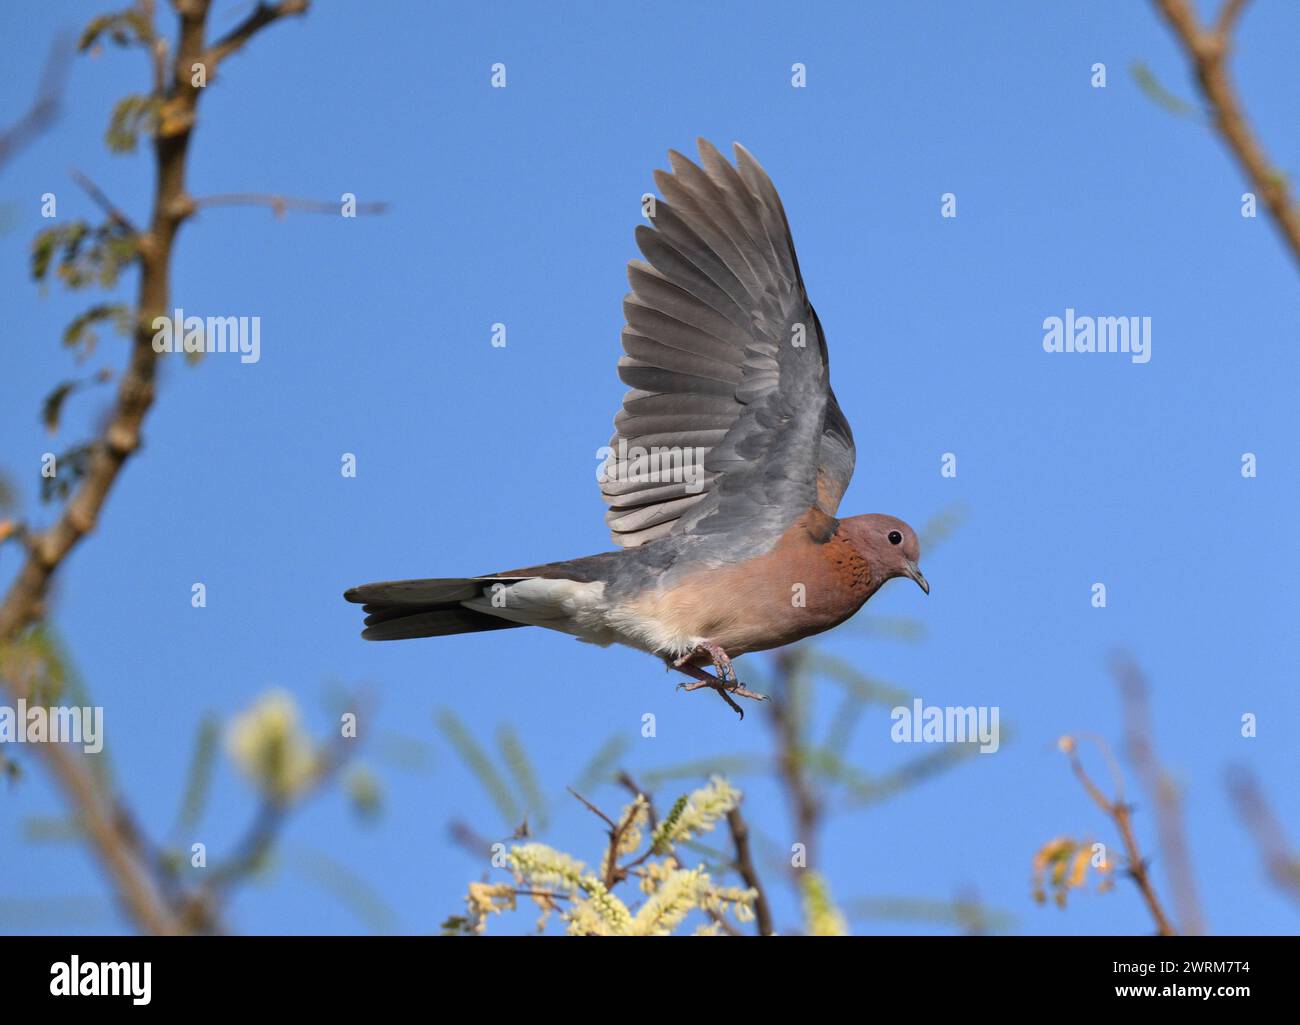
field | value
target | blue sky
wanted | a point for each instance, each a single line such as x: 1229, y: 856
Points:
x: 518, y: 206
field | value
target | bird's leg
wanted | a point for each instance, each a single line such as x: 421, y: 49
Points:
x: 705, y: 680
x: 720, y: 659
x: 726, y: 672
x: 725, y: 683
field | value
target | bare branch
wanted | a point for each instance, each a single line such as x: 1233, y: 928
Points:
x: 592, y: 808
x: 263, y: 15
x: 45, y: 107
x: 746, y: 870
x: 1282, y: 863
x: 1207, y: 49
x: 103, y: 202
x: 614, y: 872
x: 135, y: 875
x: 1162, y: 790
x: 1121, y: 814
x: 101, y: 822
x: 1228, y: 18
x: 792, y: 769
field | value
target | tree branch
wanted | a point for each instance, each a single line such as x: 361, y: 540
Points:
x: 112, y: 838
x: 1120, y: 813
x: 746, y: 870
x: 103, y: 202
x: 1163, y: 793
x: 1282, y: 864
x: 45, y: 107
x: 1207, y: 49
x: 792, y: 770
x: 263, y: 15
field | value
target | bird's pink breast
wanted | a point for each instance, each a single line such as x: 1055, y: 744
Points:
x: 801, y: 587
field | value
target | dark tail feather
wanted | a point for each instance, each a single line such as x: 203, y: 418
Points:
x: 402, y: 609
x: 399, y: 624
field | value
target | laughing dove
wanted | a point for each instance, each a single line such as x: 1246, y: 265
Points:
x: 728, y: 461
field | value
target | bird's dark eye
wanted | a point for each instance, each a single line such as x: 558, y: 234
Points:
x: 895, y: 538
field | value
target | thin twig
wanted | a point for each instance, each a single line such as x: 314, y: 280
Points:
x: 615, y: 873
x: 1228, y: 17
x: 592, y: 808
x: 1162, y: 792
x: 805, y: 805
x: 269, y: 821
x: 1281, y: 862
x: 156, y: 45
x: 745, y: 868
x: 103, y: 202
x: 626, y: 781
x: 1121, y: 814
x: 725, y: 924
x: 263, y: 15
x: 45, y: 108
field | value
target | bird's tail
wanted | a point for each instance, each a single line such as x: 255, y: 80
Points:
x: 400, y: 609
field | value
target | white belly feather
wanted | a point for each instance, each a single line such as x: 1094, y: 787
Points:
x: 581, y: 610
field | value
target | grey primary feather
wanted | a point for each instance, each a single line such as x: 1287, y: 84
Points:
x: 711, y: 359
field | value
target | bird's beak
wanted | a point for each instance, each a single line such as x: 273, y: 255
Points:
x: 914, y: 571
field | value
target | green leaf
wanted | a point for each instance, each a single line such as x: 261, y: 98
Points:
x: 131, y: 115
x: 477, y: 761
x: 703, y: 768
x: 873, y: 791
x: 198, y: 780
x: 859, y: 684
x: 81, y: 255
x: 349, y: 888
x: 51, y: 829
x: 364, y: 792
x: 53, y: 405
x: 125, y: 28
x: 601, y: 766
x: 941, y: 526
x: 970, y: 916
x: 521, y: 769
x: 70, y: 467
x: 1157, y: 93
x: 79, y: 330
x: 659, y: 843
x: 410, y: 754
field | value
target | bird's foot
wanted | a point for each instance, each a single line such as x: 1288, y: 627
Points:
x: 725, y: 683
x: 720, y: 659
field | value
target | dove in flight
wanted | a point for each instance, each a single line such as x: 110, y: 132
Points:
x: 726, y: 469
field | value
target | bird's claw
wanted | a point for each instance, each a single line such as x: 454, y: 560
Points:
x: 725, y: 690
x: 725, y: 683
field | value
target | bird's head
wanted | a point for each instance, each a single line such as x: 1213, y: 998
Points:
x: 889, y: 545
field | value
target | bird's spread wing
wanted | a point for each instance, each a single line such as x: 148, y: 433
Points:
x: 727, y: 366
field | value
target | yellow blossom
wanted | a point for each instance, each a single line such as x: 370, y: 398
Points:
x: 269, y: 746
